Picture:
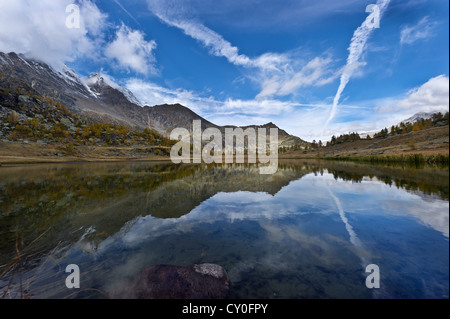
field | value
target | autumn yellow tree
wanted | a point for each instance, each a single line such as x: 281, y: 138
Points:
x: 13, y: 118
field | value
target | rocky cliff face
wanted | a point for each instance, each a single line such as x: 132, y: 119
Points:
x: 63, y: 86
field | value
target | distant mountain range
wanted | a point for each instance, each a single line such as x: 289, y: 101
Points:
x: 411, y: 120
x: 417, y: 117
x: 100, y: 100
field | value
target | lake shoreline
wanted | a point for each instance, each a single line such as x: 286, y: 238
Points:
x: 431, y: 146
x: 413, y: 158
x: 35, y: 153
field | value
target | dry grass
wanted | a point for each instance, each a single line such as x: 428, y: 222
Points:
x: 20, y: 153
x: 432, y: 141
x: 20, y: 290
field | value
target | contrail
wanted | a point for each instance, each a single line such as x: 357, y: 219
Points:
x: 353, y: 237
x: 126, y: 11
x: 356, y: 48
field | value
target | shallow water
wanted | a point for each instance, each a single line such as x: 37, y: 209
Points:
x: 308, y: 231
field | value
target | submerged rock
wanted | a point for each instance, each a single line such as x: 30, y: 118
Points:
x: 205, y: 281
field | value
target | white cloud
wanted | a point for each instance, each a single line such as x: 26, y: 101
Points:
x: 93, y: 19
x: 433, y: 96
x: 298, y: 119
x: 256, y: 107
x: 374, y: 115
x: 173, y: 15
x: 132, y: 51
x: 216, y: 44
x: 422, y: 30
x: 38, y: 30
x: 278, y: 74
x: 258, y: 14
x: 153, y: 94
x: 316, y: 72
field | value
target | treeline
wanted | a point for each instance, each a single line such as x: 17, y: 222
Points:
x: 351, y: 137
x: 314, y: 145
x: 437, y: 119
x: 296, y: 147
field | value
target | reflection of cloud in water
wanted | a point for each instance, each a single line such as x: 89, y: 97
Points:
x: 230, y: 207
x: 353, y: 237
x: 302, y: 224
x: 309, y: 195
x: 431, y: 214
x: 381, y: 199
x: 322, y: 246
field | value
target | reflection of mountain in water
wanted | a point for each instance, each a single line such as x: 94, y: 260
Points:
x: 70, y: 199
x: 104, y: 197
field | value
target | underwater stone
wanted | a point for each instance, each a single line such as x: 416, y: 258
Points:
x: 205, y: 281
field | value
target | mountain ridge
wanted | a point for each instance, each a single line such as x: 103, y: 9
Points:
x: 101, y: 100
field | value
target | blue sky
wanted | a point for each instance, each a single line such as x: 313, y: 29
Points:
x: 254, y: 61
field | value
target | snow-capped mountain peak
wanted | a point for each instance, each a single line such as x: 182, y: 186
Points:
x: 96, y: 82
x: 418, y: 116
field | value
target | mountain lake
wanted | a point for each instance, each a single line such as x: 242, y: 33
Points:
x: 307, y: 231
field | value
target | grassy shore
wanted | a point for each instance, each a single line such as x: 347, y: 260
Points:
x: 412, y: 159
x: 33, y: 153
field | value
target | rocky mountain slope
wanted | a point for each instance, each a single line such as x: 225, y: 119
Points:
x: 102, y: 101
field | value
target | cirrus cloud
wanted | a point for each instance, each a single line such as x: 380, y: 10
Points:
x: 278, y: 74
x: 422, y: 30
